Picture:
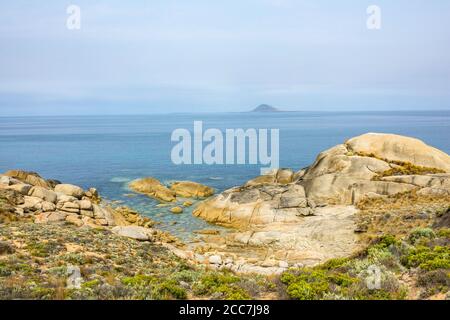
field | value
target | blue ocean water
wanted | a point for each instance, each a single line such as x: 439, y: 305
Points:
x: 108, y: 151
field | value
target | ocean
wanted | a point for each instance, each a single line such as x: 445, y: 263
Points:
x: 107, y: 152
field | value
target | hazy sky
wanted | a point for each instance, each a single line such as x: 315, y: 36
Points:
x: 231, y: 55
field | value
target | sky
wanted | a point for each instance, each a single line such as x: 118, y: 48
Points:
x: 162, y: 56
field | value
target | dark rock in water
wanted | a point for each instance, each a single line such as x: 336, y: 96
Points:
x: 265, y: 108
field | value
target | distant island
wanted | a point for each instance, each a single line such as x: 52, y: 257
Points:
x: 265, y: 108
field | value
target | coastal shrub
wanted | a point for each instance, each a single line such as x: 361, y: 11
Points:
x: 6, y: 248
x: 90, y: 284
x: 312, y: 284
x: 170, y: 289
x: 44, y: 249
x: 74, y: 258
x: 385, y: 241
x: 5, y: 270
x: 221, y: 284
x: 434, y: 281
x: 138, y: 280
x: 335, y: 263
x: 444, y: 233
x: 389, y: 287
x: 427, y: 258
x: 185, y: 275
x: 307, y: 285
x: 419, y: 233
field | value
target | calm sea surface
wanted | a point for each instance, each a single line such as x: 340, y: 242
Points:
x: 109, y: 151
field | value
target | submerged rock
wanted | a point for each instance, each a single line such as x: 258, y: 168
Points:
x: 176, y: 210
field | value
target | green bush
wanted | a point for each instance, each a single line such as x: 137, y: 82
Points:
x: 311, y: 284
x: 224, y: 284
x: 334, y: 263
x: 170, y: 289
x: 428, y: 258
x: 420, y: 233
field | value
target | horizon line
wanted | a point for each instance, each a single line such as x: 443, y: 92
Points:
x: 223, y: 112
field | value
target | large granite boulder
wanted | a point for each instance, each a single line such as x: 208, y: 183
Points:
x: 368, y: 165
x: 153, y: 188
x: 29, y: 178
x: 43, y: 193
x: 260, y: 204
x: 399, y: 148
x: 70, y: 190
x: 189, y: 189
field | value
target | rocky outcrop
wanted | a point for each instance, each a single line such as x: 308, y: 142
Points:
x: 189, y: 189
x: 309, y: 215
x: 27, y: 195
x: 70, y: 190
x: 257, y: 204
x: 153, y: 188
x: 399, y: 148
x: 362, y: 166
x: 30, y: 178
x: 184, y: 189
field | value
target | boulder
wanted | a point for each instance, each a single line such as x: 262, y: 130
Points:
x: 11, y: 196
x: 71, y: 207
x: 215, y: 259
x: 75, y: 220
x: 22, y: 188
x: 48, y: 217
x: 87, y: 213
x: 153, y: 188
x: 85, y: 205
x: 29, y: 178
x: 249, y: 206
x: 43, y: 193
x: 277, y: 176
x: 400, y: 148
x: 70, y: 190
x: 5, y: 180
x: 189, y: 189
x: 176, y: 210
x: 187, y: 204
x: 45, y: 206
x: 134, y: 232
x: 366, y: 165
x: 30, y: 203
x: 65, y: 198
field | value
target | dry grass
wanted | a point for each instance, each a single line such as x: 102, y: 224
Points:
x: 400, y: 213
x: 399, y: 168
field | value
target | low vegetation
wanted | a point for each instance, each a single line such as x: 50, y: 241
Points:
x: 415, y: 267
x: 412, y: 263
x: 34, y: 262
x: 399, y: 168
